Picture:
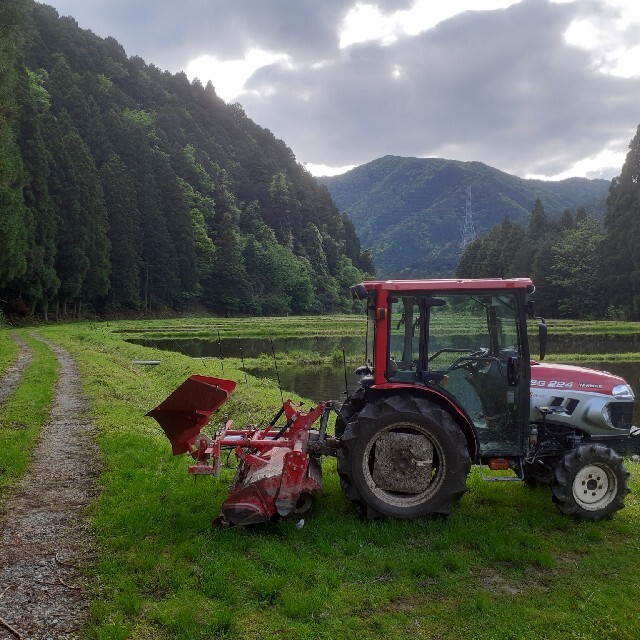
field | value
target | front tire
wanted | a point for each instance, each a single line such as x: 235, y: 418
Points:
x: 590, y: 483
x: 403, y: 457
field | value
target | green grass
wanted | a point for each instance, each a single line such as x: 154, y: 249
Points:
x: 506, y: 564
x: 589, y: 327
x: 24, y: 413
x: 604, y: 358
x: 8, y: 350
x: 278, y: 327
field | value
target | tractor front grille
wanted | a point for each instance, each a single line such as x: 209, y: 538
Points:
x: 621, y: 414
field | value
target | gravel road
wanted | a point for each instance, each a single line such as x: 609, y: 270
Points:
x: 14, y: 373
x: 45, y: 538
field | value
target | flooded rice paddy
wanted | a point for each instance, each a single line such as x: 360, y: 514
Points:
x: 322, y: 381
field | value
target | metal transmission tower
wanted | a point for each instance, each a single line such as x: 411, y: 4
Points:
x: 468, y: 230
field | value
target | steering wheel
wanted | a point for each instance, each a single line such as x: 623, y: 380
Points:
x: 468, y: 362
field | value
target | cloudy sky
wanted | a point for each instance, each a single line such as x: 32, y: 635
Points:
x: 537, y: 88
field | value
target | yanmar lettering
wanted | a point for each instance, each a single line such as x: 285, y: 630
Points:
x: 589, y: 385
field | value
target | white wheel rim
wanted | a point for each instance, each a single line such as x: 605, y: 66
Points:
x: 594, y: 487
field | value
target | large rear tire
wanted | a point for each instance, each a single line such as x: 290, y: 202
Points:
x: 590, y: 483
x: 403, y: 457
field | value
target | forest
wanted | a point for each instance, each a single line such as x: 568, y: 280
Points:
x: 582, y: 268
x: 126, y: 189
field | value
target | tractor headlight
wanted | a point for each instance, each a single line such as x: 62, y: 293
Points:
x: 622, y: 392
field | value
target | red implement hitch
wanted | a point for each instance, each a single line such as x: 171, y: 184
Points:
x: 279, y: 466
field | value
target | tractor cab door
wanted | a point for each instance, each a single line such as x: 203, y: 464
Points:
x: 469, y: 345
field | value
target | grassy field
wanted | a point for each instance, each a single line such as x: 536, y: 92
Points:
x: 295, y: 326
x: 504, y: 565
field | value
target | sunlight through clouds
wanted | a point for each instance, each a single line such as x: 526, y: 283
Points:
x: 597, y: 166
x: 229, y: 76
x: 366, y: 22
x: 606, y: 37
x: 325, y: 170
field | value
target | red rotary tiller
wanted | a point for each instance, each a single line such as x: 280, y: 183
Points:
x: 279, y: 466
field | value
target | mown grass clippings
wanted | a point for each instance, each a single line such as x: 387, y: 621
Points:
x: 505, y: 564
x: 24, y: 414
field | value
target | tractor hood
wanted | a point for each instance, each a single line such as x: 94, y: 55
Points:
x: 183, y: 414
x: 563, y: 376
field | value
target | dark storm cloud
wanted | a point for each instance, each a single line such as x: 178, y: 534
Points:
x: 502, y: 87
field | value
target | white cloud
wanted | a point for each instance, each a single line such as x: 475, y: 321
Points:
x: 626, y: 64
x: 610, y: 36
x: 324, y: 170
x: 609, y: 161
x: 584, y: 34
x: 229, y: 76
x: 366, y: 22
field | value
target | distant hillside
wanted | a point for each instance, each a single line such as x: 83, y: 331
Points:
x: 410, y: 211
x: 124, y: 187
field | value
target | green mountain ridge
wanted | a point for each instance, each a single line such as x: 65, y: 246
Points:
x: 411, y: 211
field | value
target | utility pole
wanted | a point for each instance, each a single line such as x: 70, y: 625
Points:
x: 468, y: 230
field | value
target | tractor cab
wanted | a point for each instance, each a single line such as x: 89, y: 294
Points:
x: 463, y: 341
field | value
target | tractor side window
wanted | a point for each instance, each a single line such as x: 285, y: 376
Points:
x: 473, y: 342
x: 404, y: 339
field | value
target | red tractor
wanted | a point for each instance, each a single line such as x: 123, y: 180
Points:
x: 448, y: 382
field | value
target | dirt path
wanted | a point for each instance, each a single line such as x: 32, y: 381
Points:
x: 45, y: 535
x: 14, y: 373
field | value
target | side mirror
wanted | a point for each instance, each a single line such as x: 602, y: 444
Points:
x: 542, y: 338
x: 529, y: 309
x: 358, y: 292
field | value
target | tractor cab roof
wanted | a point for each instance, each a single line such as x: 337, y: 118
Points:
x: 451, y: 284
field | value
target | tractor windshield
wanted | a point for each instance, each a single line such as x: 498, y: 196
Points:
x: 468, y: 344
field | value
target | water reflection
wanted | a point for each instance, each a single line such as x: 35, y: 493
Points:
x: 317, y: 382
x: 609, y: 343
x: 326, y: 382
x: 253, y: 347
